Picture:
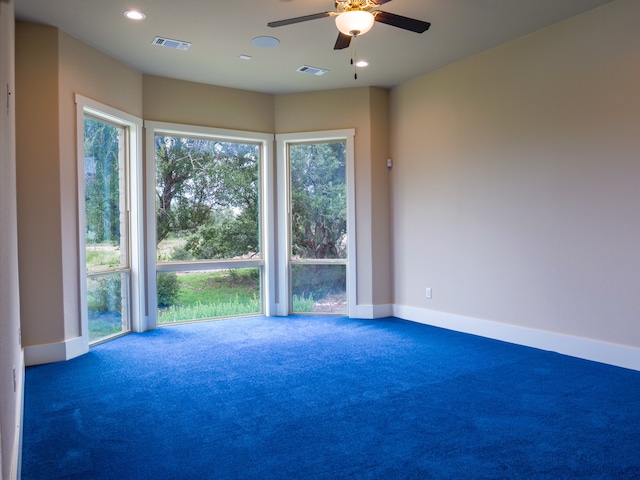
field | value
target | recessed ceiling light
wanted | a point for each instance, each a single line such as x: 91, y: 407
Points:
x: 265, y: 42
x: 135, y: 15
x: 244, y: 57
x: 362, y: 63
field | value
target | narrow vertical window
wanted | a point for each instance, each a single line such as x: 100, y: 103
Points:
x: 316, y: 206
x: 111, y: 285
x: 318, y: 227
x: 107, y: 229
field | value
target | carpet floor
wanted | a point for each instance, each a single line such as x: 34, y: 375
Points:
x: 326, y: 397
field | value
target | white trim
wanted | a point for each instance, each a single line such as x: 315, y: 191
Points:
x: 585, y: 348
x: 149, y: 219
x: 283, y: 140
x: 207, y: 265
x: 55, y: 352
x: 268, y: 229
x: 185, y: 130
x: 372, y: 311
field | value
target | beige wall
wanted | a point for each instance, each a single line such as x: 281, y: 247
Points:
x: 177, y: 101
x: 51, y: 67
x: 381, y: 233
x: 38, y: 177
x: 11, y: 359
x: 516, y: 183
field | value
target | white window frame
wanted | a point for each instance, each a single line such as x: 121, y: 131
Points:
x: 87, y: 106
x: 267, y: 209
x: 283, y: 141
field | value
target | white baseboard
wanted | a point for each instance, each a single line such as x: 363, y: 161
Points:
x: 55, y: 352
x: 372, y: 311
x: 585, y: 348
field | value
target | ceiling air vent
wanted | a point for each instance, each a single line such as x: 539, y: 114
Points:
x: 312, y: 70
x: 167, y: 42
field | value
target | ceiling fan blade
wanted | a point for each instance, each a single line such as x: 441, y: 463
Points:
x: 380, y: 2
x: 399, y: 21
x: 304, y: 18
x: 343, y: 41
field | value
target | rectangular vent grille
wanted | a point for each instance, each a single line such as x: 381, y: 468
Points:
x: 167, y: 42
x: 312, y: 70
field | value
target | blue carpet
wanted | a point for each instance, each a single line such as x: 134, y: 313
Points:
x: 313, y: 397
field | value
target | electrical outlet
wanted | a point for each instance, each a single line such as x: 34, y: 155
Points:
x: 428, y: 292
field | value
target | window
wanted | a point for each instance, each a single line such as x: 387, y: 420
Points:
x: 109, y: 156
x: 210, y: 244
x: 316, y: 206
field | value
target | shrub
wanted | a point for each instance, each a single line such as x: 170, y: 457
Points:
x: 168, y: 287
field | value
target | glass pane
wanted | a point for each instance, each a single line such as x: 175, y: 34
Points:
x: 318, y: 200
x: 185, y: 296
x: 105, y: 202
x: 108, y: 300
x: 319, y: 288
x: 207, y: 199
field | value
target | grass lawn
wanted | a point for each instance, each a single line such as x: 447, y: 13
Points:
x: 216, y: 287
x: 103, y: 325
x: 214, y: 294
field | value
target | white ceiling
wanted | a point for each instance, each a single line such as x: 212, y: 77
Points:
x: 221, y: 30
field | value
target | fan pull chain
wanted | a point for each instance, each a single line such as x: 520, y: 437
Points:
x: 354, y: 58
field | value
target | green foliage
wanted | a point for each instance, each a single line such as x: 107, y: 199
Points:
x: 180, y: 253
x: 303, y: 304
x: 167, y: 286
x: 102, y: 258
x: 318, y: 280
x: 213, y: 287
x: 103, y: 326
x: 208, y: 191
x: 318, y: 197
x: 201, y: 310
x: 104, y: 294
x: 214, y: 294
x: 226, y: 236
x: 102, y: 181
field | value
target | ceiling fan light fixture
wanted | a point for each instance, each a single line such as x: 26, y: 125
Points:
x: 354, y: 22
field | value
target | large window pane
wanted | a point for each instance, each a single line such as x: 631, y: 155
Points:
x: 207, y: 196
x: 186, y: 296
x: 106, y: 229
x: 319, y: 288
x: 105, y: 201
x: 318, y: 200
x: 318, y: 227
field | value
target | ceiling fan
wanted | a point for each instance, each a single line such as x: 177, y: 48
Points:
x: 356, y: 17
